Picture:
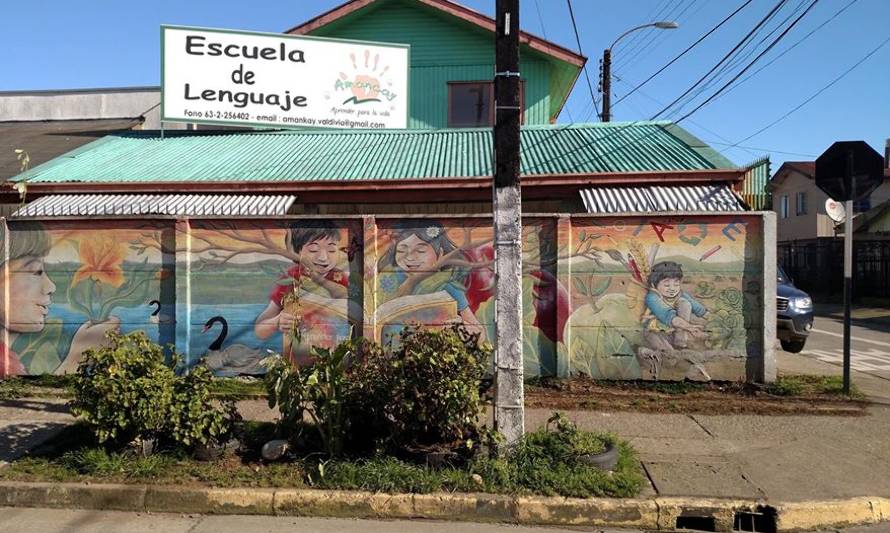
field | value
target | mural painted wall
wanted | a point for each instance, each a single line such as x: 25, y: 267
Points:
x: 616, y: 298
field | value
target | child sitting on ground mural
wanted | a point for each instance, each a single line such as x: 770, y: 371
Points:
x: 319, y: 249
x: 672, y: 314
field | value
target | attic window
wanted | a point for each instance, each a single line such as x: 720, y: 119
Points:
x: 471, y: 103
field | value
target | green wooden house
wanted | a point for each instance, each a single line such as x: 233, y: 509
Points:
x: 442, y: 163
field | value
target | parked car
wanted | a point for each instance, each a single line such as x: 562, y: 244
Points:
x: 795, y: 314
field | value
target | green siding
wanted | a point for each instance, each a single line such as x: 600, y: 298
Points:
x: 443, y: 49
x: 304, y: 155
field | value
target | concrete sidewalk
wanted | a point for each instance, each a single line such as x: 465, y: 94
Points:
x: 780, y: 458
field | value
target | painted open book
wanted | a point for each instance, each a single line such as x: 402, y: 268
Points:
x: 433, y: 309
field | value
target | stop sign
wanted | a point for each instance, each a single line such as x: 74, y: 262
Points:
x: 849, y: 170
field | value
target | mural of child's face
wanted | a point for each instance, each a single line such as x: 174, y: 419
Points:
x: 320, y: 255
x: 668, y: 287
x: 415, y: 255
x: 30, y: 295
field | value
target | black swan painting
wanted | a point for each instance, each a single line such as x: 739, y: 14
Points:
x: 234, y: 359
x: 156, y: 316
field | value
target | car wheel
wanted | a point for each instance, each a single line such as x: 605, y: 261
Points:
x: 793, y: 345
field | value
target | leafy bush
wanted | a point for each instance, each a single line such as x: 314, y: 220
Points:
x: 126, y: 391
x: 319, y: 392
x: 548, y: 462
x: 424, y: 393
x: 194, y: 419
x: 428, y: 386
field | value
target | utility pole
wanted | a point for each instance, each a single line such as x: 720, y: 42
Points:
x: 606, y: 83
x: 509, y: 415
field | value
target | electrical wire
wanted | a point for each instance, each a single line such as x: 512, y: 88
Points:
x: 751, y: 64
x: 684, y: 52
x: 653, y: 15
x: 544, y: 31
x: 586, y: 73
x: 722, y: 70
x: 785, y: 51
x: 724, y: 59
x: 653, y: 38
x: 813, y: 96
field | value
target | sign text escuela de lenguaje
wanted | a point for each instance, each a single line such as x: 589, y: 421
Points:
x: 263, y: 79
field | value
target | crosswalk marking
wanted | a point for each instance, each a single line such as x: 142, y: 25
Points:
x: 857, y: 339
x: 869, y: 360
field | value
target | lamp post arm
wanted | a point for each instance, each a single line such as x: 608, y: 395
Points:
x: 640, y: 27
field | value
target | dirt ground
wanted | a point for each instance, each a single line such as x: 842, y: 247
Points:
x: 683, y: 397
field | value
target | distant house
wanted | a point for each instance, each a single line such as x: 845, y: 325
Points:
x: 800, y: 204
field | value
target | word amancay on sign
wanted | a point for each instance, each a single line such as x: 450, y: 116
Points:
x: 196, y: 44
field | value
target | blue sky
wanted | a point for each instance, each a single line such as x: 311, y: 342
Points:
x: 108, y: 43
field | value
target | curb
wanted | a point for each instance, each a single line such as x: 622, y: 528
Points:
x: 661, y: 513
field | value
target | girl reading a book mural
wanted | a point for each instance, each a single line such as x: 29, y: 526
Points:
x: 30, y: 292
x: 320, y: 251
x: 421, y: 261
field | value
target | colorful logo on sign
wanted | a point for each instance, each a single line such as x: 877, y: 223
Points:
x: 364, y: 84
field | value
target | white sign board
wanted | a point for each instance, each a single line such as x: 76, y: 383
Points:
x: 211, y: 76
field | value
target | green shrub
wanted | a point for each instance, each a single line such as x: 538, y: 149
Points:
x: 126, y: 391
x: 194, y: 418
x: 318, y: 391
x: 429, y: 386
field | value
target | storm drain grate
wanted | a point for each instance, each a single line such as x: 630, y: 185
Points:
x: 759, y: 522
x: 696, y: 523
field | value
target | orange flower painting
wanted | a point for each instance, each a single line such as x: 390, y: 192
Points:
x: 101, y: 259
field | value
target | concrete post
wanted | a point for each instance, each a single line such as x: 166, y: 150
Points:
x: 183, y: 312
x: 5, y: 366
x: 564, y: 276
x: 768, y: 370
x: 369, y: 277
x: 509, y: 402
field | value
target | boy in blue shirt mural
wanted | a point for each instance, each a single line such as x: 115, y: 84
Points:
x: 672, y: 314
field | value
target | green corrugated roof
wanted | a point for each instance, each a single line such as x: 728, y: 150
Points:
x: 302, y: 155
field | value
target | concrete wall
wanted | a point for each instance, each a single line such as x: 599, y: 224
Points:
x: 85, y: 104
x: 613, y: 297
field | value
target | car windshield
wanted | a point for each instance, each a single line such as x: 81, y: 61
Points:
x: 781, y: 276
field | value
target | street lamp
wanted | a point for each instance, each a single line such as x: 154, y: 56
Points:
x: 607, y: 62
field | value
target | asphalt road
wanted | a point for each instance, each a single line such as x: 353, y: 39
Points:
x: 869, y: 345
x: 62, y: 520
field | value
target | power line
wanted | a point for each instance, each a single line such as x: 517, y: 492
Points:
x: 751, y: 64
x: 684, y: 52
x: 586, y: 73
x: 544, y: 31
x: 694, y: 123
x: 785, y: 51
x: 749, y: 148
x: 730, y: 63
x: 652, y: 38
x: 727, y: 56
x: 811, y: 98
x: 653, y: 15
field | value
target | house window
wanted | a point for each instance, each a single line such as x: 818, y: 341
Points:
x: 801, y: 204
x: 783, y: 208
x: 471, y: 103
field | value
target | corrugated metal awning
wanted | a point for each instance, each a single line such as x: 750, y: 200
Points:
x: 157, y: 204
x: 654, y: 198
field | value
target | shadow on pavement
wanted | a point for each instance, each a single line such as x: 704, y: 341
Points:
x: 36, y: 405
x: 17, y: 439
